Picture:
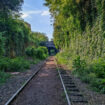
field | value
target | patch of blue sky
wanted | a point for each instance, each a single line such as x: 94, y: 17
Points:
x: 36, y: 14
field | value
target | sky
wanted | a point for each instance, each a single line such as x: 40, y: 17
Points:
x: 36, y: 14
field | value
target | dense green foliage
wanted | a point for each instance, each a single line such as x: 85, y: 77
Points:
x: 39, y: 53
x: 15, y: 64
x: 1, y: 44
x: 79, y: 32
x: 15, y: 38
x: 92, y: 72
x: 36, y: 38
x: 75, y: 25
x: 10, y: 5
x: 4, y: 76
x: 42, y: 52
x: 18, y: 37
x: 15, y: 33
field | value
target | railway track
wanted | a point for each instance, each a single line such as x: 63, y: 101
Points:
x: 42, y: 88
x: 25, y: 84
x: 73, y: 95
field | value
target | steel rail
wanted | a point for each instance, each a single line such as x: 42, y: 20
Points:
x: 25, y: 84
x: 67, y: 97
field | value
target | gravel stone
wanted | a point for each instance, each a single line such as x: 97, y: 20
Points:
x: 44, y: 89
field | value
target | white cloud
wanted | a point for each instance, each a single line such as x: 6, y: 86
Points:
x: 45, y: 13
x: 24, y: 15
x: 28, y: 14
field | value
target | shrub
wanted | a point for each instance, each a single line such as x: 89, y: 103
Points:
x: 19, y: 64
x: 98, y: 85
x: 4, y: 63
x: 44, y: 49
x: 79, y: 65
x: 31, y: 51
x: 99, y: 67
x: 15, y: 64
x: 4, y: 76
x: 28, y: 51
x: 42, y: 53
x: 39, y: 53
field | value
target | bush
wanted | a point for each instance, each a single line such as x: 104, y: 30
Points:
x: 79, y: 65
x: 94, y: 74
x: 15, y: 64
x: 42, y: 52
x: 28, y: 51
x: 4, y: 63
x: 31, y: 51
x: 98, y: 85
x: 44, y: 49
x: 99, y: 67
x: 39, y: 53
x: 19, y: 64
x: 4, y: 76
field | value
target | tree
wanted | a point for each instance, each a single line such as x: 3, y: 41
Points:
x: 10, y: 5
x: 79, y: 25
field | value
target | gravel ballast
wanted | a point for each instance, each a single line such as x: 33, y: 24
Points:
x: 93, y: 97
x: 44, y: 89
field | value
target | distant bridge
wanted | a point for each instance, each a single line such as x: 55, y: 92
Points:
x: 50, y: 44
x: 51, y: 47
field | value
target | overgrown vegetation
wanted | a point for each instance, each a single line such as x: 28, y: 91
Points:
x: 4, y: 76
x: 17, y: 41
x: 91, y: 72
x: 39, y: 53
x: 79, y: 33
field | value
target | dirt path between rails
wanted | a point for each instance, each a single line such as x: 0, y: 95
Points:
x: 44, y: 89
